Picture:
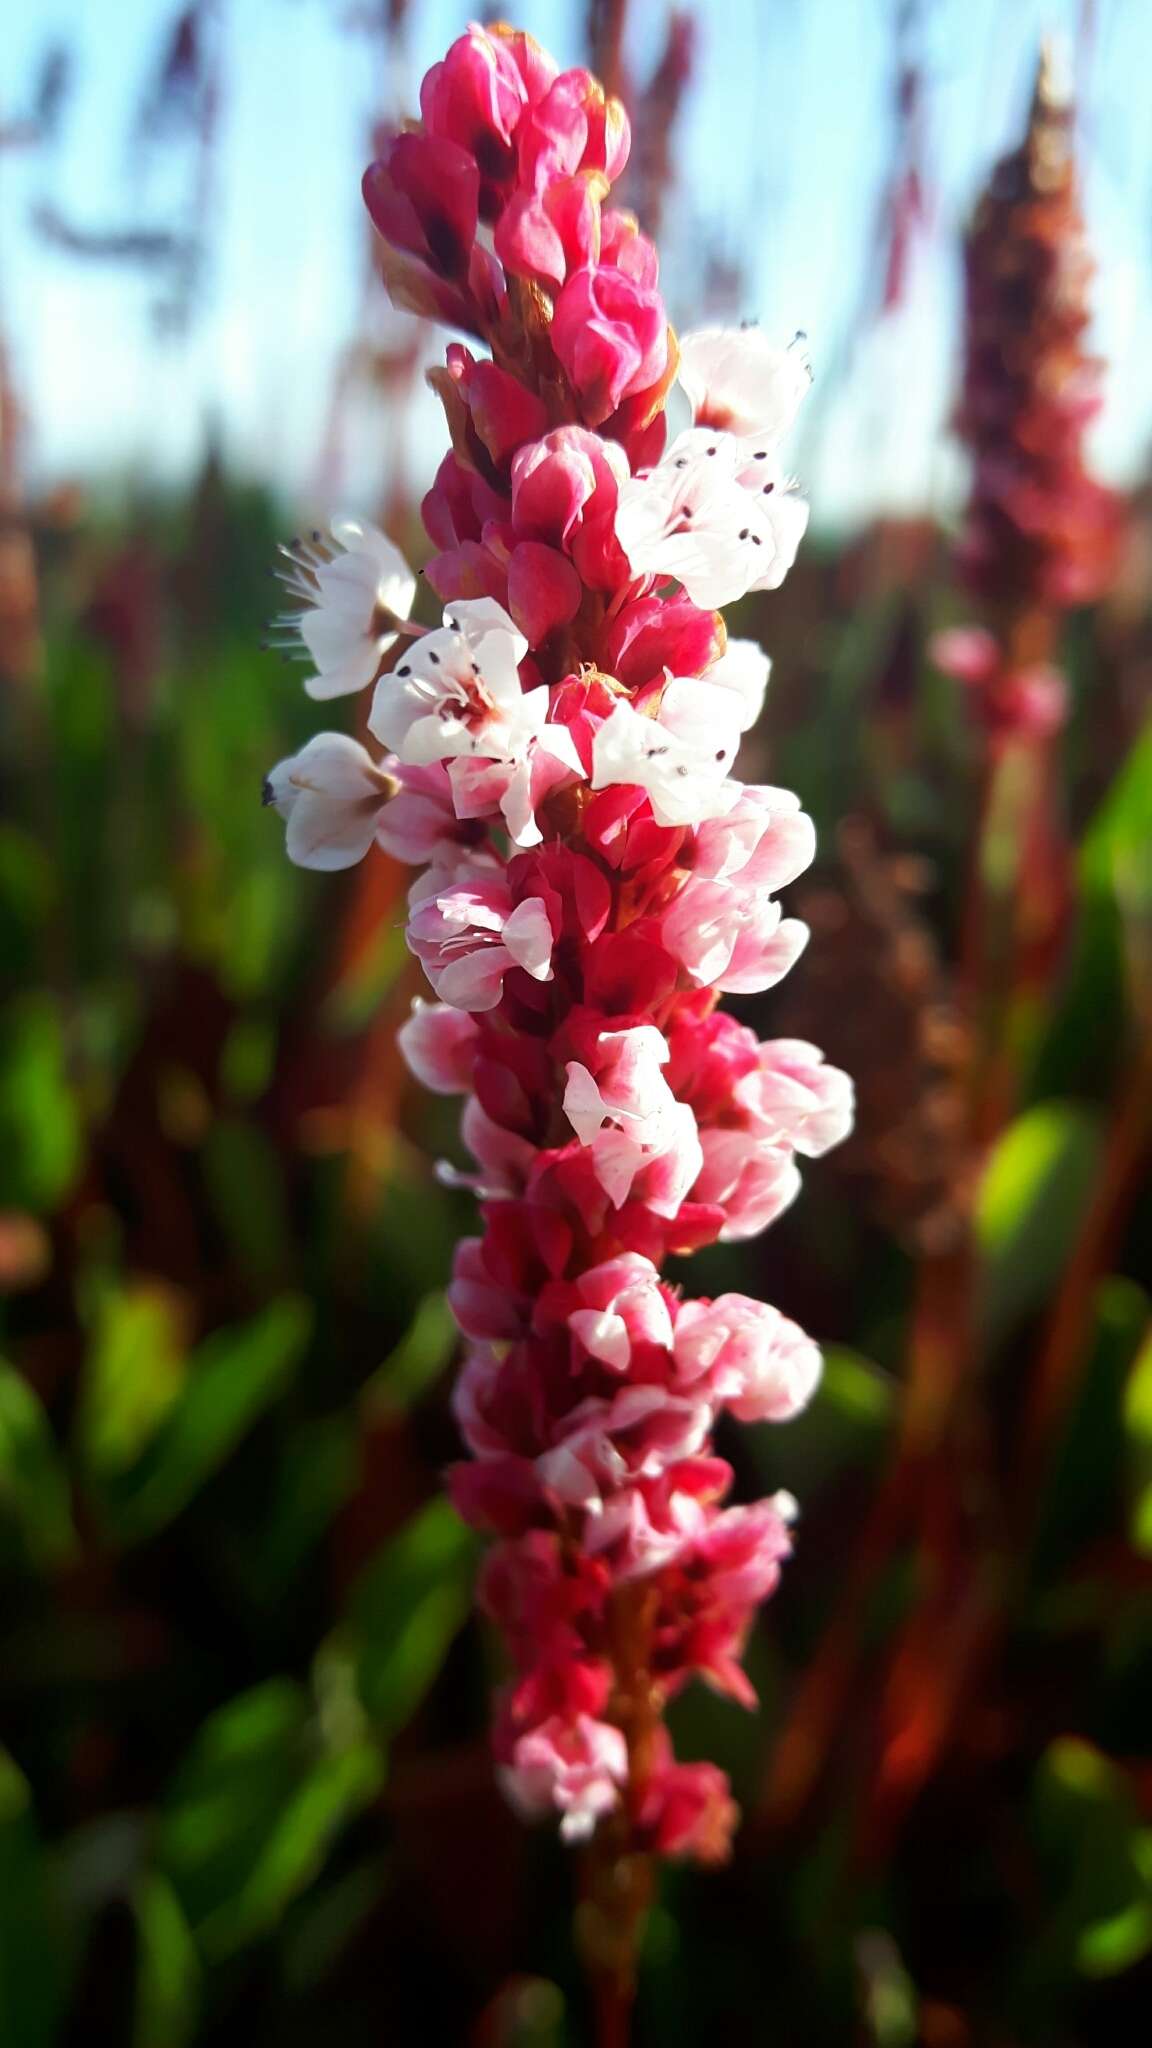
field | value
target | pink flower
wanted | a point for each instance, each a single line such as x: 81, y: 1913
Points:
x: 616, y: 1312
x: 603, y: 1444
x: 764, y: 838
x: 747, y: 1356
x: 730, y: 935
x: 420, y: 822
x: 439, y: 1047
x: 690, y: 1811
x: 565, y: 490
x: 611, y: 336
x: 574, y: 1768
x: 627, y: 1116
x: 753, y: 1181
x: 468, y: 933
x: 793, y: 1095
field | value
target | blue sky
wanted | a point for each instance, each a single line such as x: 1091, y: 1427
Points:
x: 784, y: 149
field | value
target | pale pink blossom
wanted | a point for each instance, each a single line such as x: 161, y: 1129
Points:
x: 632, y: 1123
x: 542, y: 757
x: 764, y: 838
x: 796, y: 1097
x: 746, y: 1355
x: 439, y: 1046
x: 332, y: 796
x: 622, y: 1306
x: 574, y: 1767
x: 468, y: 933
x: 730, y: 935
x: 637, y: 1434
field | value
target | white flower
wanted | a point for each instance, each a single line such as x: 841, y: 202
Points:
x: 735, y: 378
x: 331, y: 795
x: 457, y: 691
x: 348, y: 600
x: 743, y: 669
x: 717, y: 513
x: 456, y: 697
x: 682, y: 759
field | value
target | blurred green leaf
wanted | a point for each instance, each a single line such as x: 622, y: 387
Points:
x: 231, y: 1378
x: 847, y: 1422
x: 40, y: 1131
x: 167, y: 1968
x: 1138, y: 1426
x: 251, y: 1814
x: 247, y: 1061
x: 1097, y: 1864
x: 35, y: 1958
x: 405, y: 1609
x: 245, y: 1181
x: 419, y: 1359
x: 33, y: 1483
x: 1087, y: 1037
x: 1032, y: 1199
x: 133, y: 1373
x: 1083, y: 1490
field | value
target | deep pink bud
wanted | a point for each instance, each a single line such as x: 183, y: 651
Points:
x: 565, y: 490
x: 623, y: 247
x: 502, y: 413
x: 422, y: 197
x: 474, y: 98
x: 655, y: 634
x: 544, y: 591
x: 546, y: 234
x: 611, y: 335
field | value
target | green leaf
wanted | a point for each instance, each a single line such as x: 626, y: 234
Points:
x: 167, y: 1968
x: 245, y: 1181
x: 35, y: 1957
x: 1084, y: 1486
x: 405, y: 1610
x: 848, y: 1422
x: 40, y: 1132
x: 33, y: 1483
x: 1030, y: 1204
x: 423, y: 1353
x: 1138, y: 1428
x: 232, y: 1377
x: 1098, y: 1869
x: 133, y: 1373
x: 251, y: 1816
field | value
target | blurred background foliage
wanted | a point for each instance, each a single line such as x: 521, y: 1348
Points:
x: 245, y: 1792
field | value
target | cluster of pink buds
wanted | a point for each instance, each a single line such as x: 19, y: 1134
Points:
x: 558, y: 759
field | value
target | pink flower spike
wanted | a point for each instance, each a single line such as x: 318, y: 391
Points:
x: 560, y: 769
